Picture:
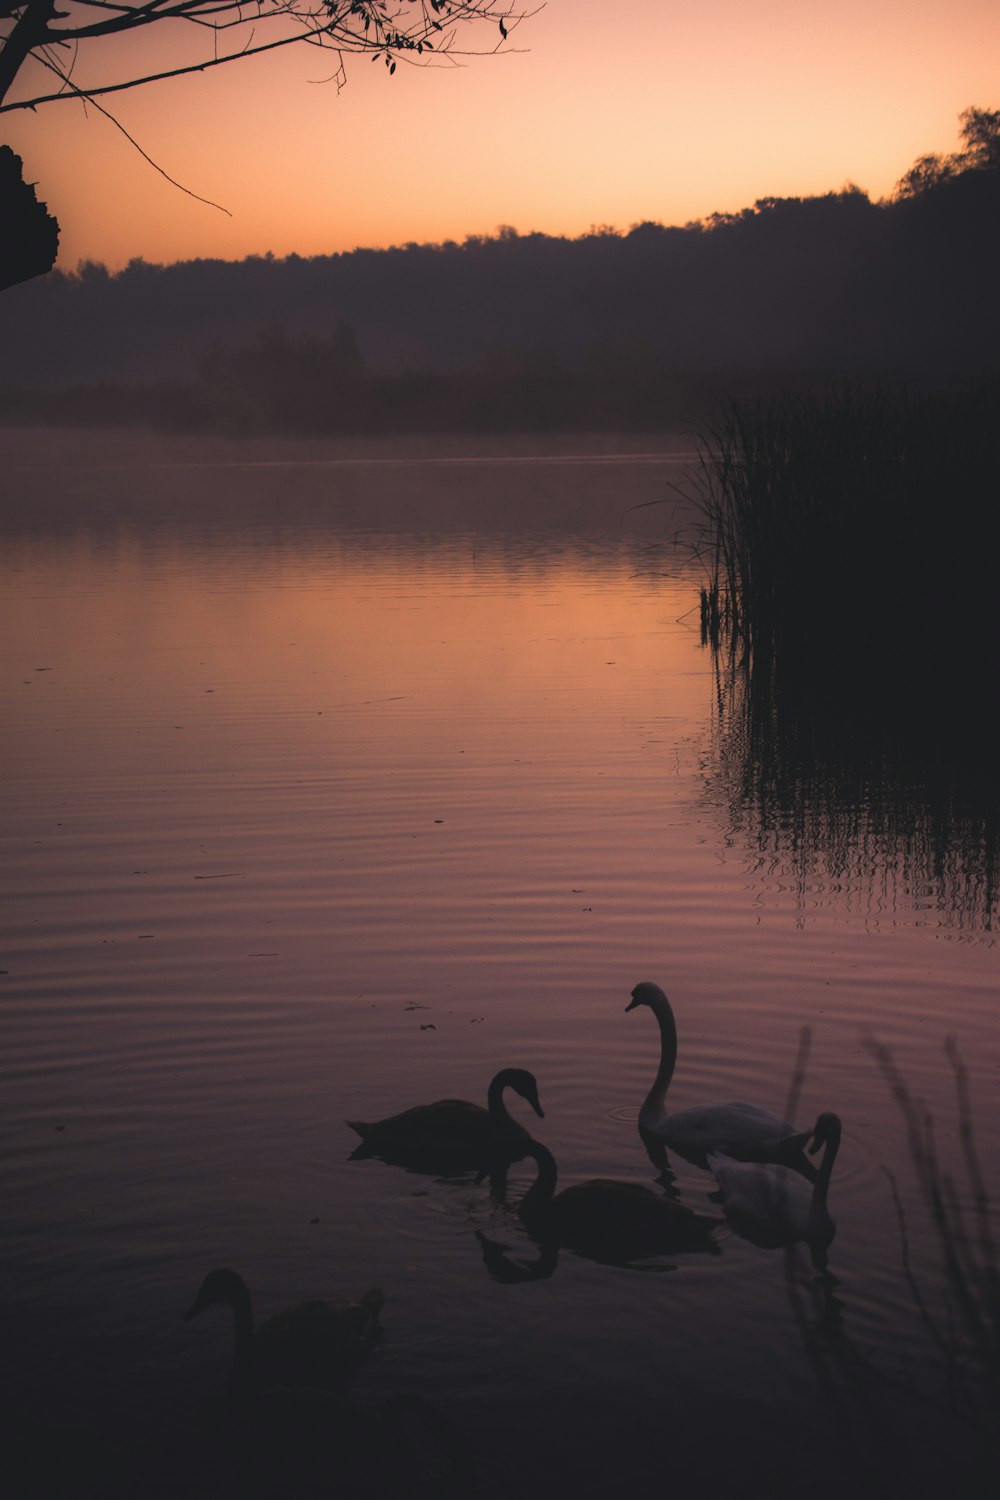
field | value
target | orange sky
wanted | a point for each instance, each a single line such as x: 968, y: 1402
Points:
x: 654, y: 109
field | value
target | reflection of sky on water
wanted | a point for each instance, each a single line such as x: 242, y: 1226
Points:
x: 273, y: 783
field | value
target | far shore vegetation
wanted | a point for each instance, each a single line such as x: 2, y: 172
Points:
x: 647, y: 330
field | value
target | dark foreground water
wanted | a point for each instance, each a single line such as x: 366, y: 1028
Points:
x: 334, y: 782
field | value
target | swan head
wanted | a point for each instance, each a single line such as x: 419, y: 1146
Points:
x: 647, y: 994
x: 523, y: 1083
x: 827, y: 1128
x: 218, y: 1287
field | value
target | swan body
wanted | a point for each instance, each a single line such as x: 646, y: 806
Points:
x: 316, y: 1344
x: 454, y: 1133
x: 774, y: 1205
x: 736, y: 1129
x: 607, y: 1218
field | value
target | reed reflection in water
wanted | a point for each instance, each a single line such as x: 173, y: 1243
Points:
x: 232, y: 921
x: 827, y: 783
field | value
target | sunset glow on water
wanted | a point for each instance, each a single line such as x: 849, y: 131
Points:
x: 335, y: 782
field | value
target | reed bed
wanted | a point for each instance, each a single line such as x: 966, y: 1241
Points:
x: 850, y: 601
x: 849, y: 518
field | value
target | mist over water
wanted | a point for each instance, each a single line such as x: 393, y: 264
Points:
x: 338, y: 778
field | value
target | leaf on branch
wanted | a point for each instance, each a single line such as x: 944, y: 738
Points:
x: 236, y: 30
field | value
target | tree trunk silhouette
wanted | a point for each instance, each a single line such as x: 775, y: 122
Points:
x: 29, y: 235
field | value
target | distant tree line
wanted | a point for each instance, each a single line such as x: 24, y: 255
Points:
x: 979, y: 154
x: 532, y: 330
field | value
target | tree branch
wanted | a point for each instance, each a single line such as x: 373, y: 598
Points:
x: 75, y: 92
x: 134, y: 83
x: 387, y: 28
x: 30, y: 31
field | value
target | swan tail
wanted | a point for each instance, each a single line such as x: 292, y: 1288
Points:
x: 368, y: 1144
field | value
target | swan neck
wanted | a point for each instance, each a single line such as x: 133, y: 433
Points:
x: 538, y: 1199
x: 495, y: 1102
x: 668, y: 1054
x: 822, y: 1184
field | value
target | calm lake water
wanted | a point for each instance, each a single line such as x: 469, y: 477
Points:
x: 336, y: 780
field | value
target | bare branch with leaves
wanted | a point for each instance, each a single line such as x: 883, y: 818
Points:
x: 48, y: 55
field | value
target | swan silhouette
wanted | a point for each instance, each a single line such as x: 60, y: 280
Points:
x: 608, y: 1219
x: 454, y: 1134
x: 740, y: 1130
x: 773, y: 1205
x: 298, y: 1440
x: 316, y: 1344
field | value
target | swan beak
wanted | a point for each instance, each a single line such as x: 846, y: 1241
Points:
x: 631, y: 1006
x: 197, y: 1306
x: 539, y: 1111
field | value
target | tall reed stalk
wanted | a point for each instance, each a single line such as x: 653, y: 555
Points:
x: 968, y: 1332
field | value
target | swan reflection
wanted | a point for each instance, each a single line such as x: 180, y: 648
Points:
x: 773, y: 1205
x: 298, y: 1442
x: 509, y: 1271
x: 603, y: 1219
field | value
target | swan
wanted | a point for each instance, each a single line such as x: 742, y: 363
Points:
x: 606, y: 1218
x: 297, y: 1440
x: 316, y: 1344
x: 774, y: 1205
x: 453, y: 1133
x: 736, y: 1129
